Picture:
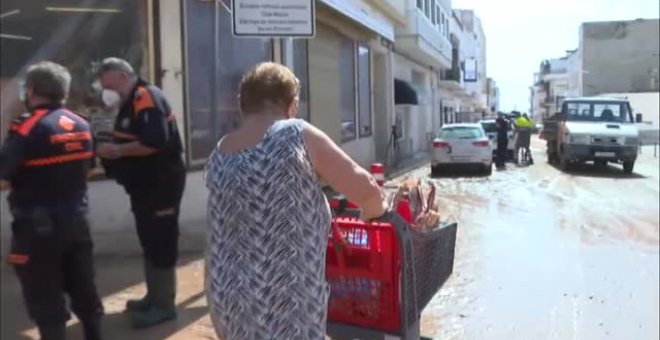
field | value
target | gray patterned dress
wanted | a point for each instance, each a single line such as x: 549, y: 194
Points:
x: 269, y: 222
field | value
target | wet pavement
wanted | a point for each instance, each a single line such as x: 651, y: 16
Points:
x: 540, y: 255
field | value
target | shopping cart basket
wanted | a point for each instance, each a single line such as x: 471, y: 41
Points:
x: 383, y: 274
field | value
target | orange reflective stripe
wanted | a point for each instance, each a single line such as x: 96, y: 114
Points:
x: 124, y: 135
x: 70, y: 137
x: 78, y: 156
x: 23, y: 128
x: 18, y: 259
x: 143, y: 100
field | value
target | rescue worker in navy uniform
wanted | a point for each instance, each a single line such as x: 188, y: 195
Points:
x: 145, y: 157
x: 45, y: 160
x: 502, y: 125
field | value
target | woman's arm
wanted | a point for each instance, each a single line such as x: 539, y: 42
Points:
x: 336, y: 168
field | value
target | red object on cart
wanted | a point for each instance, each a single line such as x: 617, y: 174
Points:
x: 364, y: 275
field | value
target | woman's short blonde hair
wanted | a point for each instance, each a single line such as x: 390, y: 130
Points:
x: 267, y: 84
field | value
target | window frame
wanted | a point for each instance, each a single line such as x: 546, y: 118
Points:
x: 359, y: 125
x: 356, y: 131
x: 199, y: 163
x: 306, y: 82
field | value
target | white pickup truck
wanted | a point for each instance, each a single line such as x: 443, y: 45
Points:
x: 596, y: 129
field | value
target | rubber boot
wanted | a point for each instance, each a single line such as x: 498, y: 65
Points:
x: 92, y: 328
x: 53, y: 332
x: 143, y: 303
x: 162, y: 307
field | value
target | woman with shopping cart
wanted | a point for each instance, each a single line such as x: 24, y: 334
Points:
x: 523, y: 133
x: 269, y: 218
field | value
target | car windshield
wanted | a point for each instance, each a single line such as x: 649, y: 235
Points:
x: 460, y: 132
x: 489, y: 127
x: 597, y: 112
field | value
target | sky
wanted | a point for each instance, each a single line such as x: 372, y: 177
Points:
x: 520, y: 34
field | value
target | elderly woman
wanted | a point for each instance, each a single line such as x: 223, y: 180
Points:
x: 269, y: 218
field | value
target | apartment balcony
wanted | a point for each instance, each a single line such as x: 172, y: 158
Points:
x: 451, y: 79
x: 422, y: 41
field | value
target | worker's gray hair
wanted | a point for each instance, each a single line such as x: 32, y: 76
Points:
x: 116, y: 64
x: 49, y: 80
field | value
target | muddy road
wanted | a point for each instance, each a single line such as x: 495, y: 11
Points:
x: 547, y: 255
x: 541, y: 255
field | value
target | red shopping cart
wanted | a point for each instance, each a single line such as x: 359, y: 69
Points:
x: 383, y: 274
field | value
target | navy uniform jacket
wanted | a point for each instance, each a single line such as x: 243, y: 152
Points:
x: 46, y: 158
x: 145, y: 117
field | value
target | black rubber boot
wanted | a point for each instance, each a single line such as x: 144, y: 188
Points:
x: 53, y: 332
x: 162, y: 307
x: 143, y: 303
x: 92, y: 328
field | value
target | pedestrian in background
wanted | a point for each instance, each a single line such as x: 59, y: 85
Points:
x: 502, y: 140
x: 45, y: 160
x: 145, y: 157
x: 269, y: 217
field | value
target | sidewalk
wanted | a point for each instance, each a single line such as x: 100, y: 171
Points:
x: 410, y: 163
x: 120, y: 279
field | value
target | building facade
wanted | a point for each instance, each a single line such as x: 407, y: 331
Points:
x: 612, y: 57
x: 421, y: 52
x: 619, y: 56
x: 465, y: 87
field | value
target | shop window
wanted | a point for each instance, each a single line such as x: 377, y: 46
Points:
x: 216, y: 61
x: 364, y: 90
x: 77, y: 34
x: 301, y: 69
x: 347, y: 89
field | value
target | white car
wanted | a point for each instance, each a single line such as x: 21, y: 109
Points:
x: 461, y: 144
x: 490, y: 127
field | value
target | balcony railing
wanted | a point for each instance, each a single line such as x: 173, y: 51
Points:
x: 453, y: 74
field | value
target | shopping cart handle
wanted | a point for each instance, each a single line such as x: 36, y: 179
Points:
x: 339, y: 204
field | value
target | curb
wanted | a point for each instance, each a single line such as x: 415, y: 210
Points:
x: 398, y: 172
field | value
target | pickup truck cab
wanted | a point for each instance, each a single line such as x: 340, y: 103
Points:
x: 592, y: 129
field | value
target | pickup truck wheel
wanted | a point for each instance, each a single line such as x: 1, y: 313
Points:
x: 628, y: 167
x: 564, y: 163
x: 600, y: 164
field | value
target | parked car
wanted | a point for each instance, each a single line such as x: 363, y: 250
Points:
x: 490, y: 127
x: 461, y: 145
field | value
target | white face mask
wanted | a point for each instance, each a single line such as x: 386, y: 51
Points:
x: 110, y: 98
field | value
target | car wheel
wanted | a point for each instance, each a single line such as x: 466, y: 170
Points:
x: 435, y: 171
x: 600, y: 164
x: 488, y: 170
x: 628, y: 167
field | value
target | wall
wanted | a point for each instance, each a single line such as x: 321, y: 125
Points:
x: 418, y: 119
x: 620, y: 56
x: 324, y: 79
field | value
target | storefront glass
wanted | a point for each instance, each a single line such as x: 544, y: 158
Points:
x: 78, y: 34
x: 216, y: 61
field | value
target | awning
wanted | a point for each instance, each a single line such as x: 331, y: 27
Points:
x: 404, y: 93
x: 363, y: 16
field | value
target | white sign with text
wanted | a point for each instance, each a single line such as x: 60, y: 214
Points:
x: 273, y: 18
